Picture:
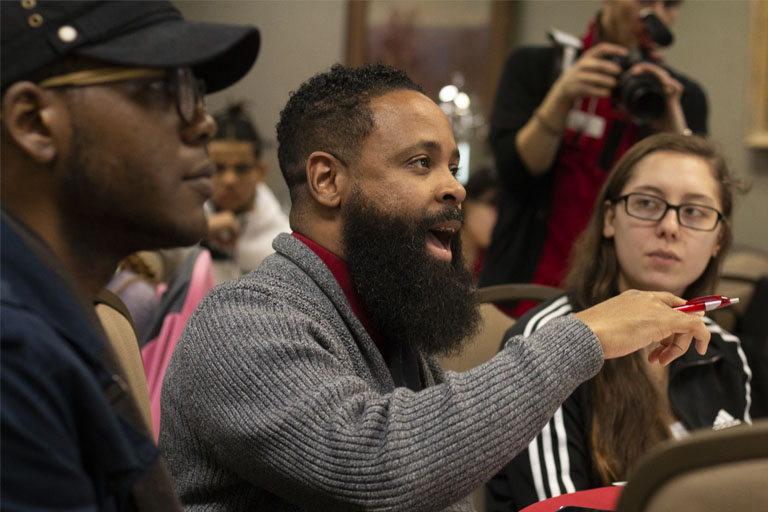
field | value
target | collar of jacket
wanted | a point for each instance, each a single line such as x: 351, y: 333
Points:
x: 34, y: 279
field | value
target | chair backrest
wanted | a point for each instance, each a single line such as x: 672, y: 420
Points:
x: 494, y: 323
x: 706, y: 472
x: 517, y: 291
x: 742, y: 270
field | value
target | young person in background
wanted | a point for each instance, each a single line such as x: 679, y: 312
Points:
x: 661, y: 222
x: 480, y: 210
x: 243, y: 214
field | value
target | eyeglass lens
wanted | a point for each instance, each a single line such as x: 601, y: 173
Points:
x: 190, y: 93
x: 693, y: 216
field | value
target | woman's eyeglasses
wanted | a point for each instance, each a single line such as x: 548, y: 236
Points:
x: 689, y: 215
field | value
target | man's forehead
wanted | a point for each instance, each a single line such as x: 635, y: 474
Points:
x: 412, y: 116
x: 404, y: 102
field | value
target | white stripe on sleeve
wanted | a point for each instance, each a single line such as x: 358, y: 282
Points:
x: 533, y: 457
x: 562, y: 447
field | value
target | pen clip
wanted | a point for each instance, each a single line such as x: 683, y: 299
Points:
x: 708, y: 298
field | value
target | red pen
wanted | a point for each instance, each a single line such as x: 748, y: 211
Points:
x: 708, y: 303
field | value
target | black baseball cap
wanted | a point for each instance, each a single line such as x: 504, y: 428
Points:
x: 36, y: 33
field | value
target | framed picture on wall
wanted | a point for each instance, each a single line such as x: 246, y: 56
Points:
x: 434, y: 40
x: 757, y: 130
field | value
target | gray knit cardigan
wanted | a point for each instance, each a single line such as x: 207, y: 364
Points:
x: 276, y: 399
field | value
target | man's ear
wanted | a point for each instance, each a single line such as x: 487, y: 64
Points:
x: 326, y: 177
x: 609, y: 216
x: 27, y: 115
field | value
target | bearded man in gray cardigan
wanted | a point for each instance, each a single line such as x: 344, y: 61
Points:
x: 312, y: 384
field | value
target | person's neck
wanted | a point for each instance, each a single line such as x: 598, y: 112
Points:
x: 322, y: 226
x: 84, y: 270
x: 90, y: 264
x: 81, y: 248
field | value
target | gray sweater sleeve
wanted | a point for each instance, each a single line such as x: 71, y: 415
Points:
x: 261, y: 393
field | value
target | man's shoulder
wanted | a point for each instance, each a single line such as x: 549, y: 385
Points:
x: 292, y: 264
x: 25, y: 326
x: 31, y: 345
x: 292, y: 275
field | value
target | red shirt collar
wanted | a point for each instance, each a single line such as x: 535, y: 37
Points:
x: 340, y: 271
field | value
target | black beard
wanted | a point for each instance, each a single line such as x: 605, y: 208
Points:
x: 410, y: 296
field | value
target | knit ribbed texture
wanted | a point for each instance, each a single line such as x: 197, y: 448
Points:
x: 277, y: 399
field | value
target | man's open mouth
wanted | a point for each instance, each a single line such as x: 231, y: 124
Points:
x: 439, y: 238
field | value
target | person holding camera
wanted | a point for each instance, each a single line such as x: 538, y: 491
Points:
x: 563, y: 115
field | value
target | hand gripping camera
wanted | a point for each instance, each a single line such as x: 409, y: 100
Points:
x: 642, y: 94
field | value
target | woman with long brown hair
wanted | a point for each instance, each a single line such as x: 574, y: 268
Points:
x: 661, y: 222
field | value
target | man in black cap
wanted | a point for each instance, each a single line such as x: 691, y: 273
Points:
x: 103, y: 154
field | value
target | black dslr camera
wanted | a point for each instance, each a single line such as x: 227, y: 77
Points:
x: 643, y: 94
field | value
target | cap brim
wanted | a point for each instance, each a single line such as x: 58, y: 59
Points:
x: 219, y: 54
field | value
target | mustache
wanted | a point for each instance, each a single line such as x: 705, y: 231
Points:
x: 449, y: 213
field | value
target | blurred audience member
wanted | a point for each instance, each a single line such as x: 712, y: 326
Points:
x: 661, y: 222
x: 559, y: 125
x: 136, y: 283
x: 311, y: 383
x: 243, y: 214
x: 480, y: 209
x: 103, y: 153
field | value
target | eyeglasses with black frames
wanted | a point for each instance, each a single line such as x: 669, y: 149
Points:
x: 690, y: 215
x: 187, y: 91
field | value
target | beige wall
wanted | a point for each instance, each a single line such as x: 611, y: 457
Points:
x: 301, y: 38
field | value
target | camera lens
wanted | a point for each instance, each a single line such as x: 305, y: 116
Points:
x: 643, y: 96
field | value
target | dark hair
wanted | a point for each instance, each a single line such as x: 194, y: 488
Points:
x: 481, y: 181
x: 627, y: 420
x: 330, y: 112
x: 234, y: 124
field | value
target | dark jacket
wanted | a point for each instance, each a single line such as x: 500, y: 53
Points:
x: 709, y: 391
x: 72, y: 437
